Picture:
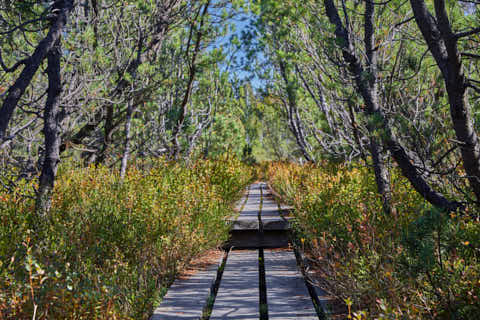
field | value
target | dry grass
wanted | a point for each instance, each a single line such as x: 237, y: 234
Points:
x: 201, y: 263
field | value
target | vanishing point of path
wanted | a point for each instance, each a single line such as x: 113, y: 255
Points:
x: 258, y: 277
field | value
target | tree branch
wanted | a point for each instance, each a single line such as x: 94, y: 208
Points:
x: 470, y: 55
x: 15, y: 66
x: 22, y: 25
x: 467, y: 33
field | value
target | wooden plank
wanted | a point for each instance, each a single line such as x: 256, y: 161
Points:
x: 187, y: 298
x: 270, y: 209
x: 238, y: 296
x: 271, y: 218
x: 287, y: 294
x: 251, y: 208
x: 248, y: 218
x: 270, y: 206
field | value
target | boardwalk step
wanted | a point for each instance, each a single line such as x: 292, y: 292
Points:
x: 254, y: 239
x: 245, y: 224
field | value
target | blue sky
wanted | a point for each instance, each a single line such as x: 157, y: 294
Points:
x: 238, y: 57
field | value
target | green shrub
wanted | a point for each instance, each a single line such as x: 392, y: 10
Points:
x: 109, y: 248
x: 417, y: 263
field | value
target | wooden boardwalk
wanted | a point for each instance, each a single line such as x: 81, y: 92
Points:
x: 259, y: 230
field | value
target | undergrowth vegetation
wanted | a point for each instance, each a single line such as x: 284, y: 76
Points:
x: 110, y: 247
x: 417, y: 263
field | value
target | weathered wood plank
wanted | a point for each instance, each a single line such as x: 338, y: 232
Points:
x: 239, y: 204
x: 270, y: 206
x: 287, y: 294
x: 238, y: 295
x: 270, y: 209
x: 187, y: 298
x: 245, y: 224
x: 271, y: 218
x: 248, y: 218
x: 253, y: 203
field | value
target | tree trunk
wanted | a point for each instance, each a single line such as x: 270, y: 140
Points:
x: 109, y: 128
x: 442, y: 43
x: 16, y: 91
x: 367, y: 88
x: 379, y: 125
x: 126, y: 151
x: 51, y: 131
x: 192, y: 73
x: 382, y: 175
x: 294, y: 120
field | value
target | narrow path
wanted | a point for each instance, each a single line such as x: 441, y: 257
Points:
x: 247, y: 286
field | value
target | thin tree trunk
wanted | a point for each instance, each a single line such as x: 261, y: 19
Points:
x: 292, y: 114
x: 109, y: 128
x: 126, y: 151
x: 368, y: 90
x: 51, y: 131
x: 192, y: 73
x: 382, y: 175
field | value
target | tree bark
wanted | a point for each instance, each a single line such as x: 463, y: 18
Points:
x: 442, y: 43
x: 51, y: 131
x: 382, y: 174
x: 62, y: 10
x: 107, y: 134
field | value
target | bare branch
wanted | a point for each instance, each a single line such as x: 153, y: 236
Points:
x: 15, y: 66
x: 467, y: 33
